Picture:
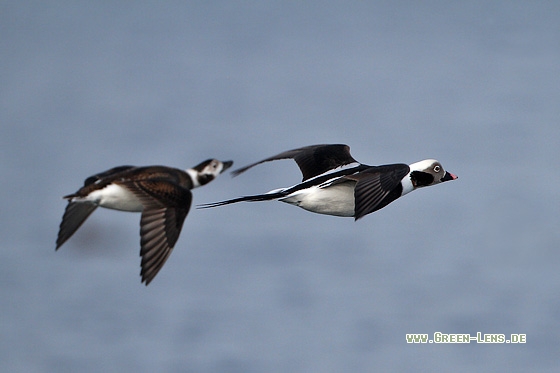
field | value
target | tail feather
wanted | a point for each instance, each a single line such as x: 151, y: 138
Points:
x: 74, y: 216
x: 259, y: 197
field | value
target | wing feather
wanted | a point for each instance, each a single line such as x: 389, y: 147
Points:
x: 376, y: 187
x: 312, y: 160
x: 166, y: 206
x: 74, y: 216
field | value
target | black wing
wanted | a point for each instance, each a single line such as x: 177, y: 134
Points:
x: 376, y: 187
x: 166, y: 206
x: 312, y: 160
x: 106, y: 174
x: 159, y: 231
x: 77, y: 213
x: 74, y: 216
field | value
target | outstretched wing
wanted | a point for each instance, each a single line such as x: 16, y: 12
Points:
x: 159, y: 231
x: 74, y: 216
x: 312, y: 160
x: 376, y: 187
x: 166, y: 206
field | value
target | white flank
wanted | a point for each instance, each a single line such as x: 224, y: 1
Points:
x: 337, y: 200
x: 114, y: 197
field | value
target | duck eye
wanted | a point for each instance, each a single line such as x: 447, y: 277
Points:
x: 437, y: 168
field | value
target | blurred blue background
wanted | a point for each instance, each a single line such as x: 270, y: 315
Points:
x: 267, y: 287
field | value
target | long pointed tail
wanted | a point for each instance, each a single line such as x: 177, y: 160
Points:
x: 259, y: 197
x: 74, y: 216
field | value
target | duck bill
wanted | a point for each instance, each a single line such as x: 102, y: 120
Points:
x: 226, y: 165
x: 448, y: 177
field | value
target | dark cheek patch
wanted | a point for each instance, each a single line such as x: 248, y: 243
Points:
x: 205, y: 179
x: 420, y: 179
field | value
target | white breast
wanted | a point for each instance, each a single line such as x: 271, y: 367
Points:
x: 407, y: 185
x: 114, y: 197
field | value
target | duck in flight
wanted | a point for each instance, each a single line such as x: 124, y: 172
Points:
x: 162, y: 194
x: 334, y: 183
